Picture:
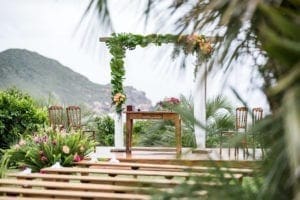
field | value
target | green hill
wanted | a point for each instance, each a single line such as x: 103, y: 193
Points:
x: 43, y: 78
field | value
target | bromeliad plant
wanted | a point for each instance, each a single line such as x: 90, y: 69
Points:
x: 45, y: 148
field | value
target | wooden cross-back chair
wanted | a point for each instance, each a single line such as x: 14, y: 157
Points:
x: 240, y: 128
x: 241, y: 119
x: 74, y: 121
x: 56, y: 118
x: 257, y: 115
x: 74, y: 117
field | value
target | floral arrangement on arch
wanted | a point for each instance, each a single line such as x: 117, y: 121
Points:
x: 119, y: 43
x: 195, y: 43
x: 168, y: 103
x: 45, y: 148
x: 118, y: 100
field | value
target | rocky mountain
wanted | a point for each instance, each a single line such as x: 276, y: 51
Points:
x: 45, y: 78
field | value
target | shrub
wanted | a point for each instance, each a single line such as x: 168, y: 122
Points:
x: 45, y: 148
x: 105, y: 128
x: 18, y: 114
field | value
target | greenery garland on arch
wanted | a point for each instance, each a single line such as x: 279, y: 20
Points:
x: 119, y: 43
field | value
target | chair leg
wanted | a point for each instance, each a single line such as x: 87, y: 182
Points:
x: 262, y: 152
x: 221, y: 144
x: 254, y: 146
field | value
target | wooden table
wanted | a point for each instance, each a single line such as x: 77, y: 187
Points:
x: 160, y: 115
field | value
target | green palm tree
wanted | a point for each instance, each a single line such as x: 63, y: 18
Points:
x: 220, y: 117
x: 268, y: 32
x: 219, y: 114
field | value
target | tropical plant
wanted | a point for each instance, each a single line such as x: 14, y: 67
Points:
x: 105, y: 128
x: 18, y: 114
x: 161, y: 133
x: 45, y: 148
x: 220, y: 117
x: 268, y: 33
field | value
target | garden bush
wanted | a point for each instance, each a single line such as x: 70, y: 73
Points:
x: 105, y: 129
x: 18, y: 114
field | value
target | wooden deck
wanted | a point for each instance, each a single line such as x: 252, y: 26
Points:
x: 138, y: 175
x: 164, y: 155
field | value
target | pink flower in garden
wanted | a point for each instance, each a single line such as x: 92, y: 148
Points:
x: 168, y: 103
x: 174, y: 100
x: 66, y: 149
x: 76, y: 158
x: 171, y: 100
x: 45, y: 138
x: 37, y: 139
x: 17, y: 146
x: 44, y: 158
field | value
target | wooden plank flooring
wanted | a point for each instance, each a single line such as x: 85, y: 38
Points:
x: 135, y: 176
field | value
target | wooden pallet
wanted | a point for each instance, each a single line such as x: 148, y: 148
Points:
x: 136, y: 173
x: 160, y: 167
x: 53, y: 193
x: 104, y: 180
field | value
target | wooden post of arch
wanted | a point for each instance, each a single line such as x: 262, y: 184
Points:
x: 118, y: 119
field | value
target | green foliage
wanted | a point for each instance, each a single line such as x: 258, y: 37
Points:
x: 161, y: 133
x: 257, y: 30
x: 220, y: 117
x: 105, y: 128
x: 119, y: 43
x: 267, y: 32
x: 18, y: 115
x: 45, y: 148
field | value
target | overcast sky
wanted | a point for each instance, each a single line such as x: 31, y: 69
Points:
x: 48, y: 27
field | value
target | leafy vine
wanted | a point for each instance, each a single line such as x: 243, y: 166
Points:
x: 119, y: 43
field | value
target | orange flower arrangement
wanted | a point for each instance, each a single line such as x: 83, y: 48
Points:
x: 119, y: 98
x: 195, y: 43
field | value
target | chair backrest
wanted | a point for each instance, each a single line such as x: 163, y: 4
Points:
x: 74, y: 117
x: 257, y: 114
x: 241, y: 118
x: 55, y: 114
